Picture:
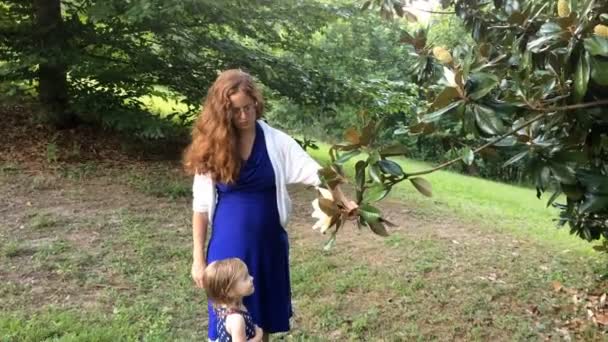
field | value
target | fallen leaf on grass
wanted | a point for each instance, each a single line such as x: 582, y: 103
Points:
x: 557, y: 286
x: 601, y: 318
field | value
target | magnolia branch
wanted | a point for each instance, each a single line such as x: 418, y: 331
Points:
x: 545, y: 112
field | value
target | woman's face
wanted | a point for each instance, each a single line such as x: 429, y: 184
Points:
x: 243, y: 111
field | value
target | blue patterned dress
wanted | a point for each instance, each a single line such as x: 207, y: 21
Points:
x: 223, y: 335
x: 246, y: 225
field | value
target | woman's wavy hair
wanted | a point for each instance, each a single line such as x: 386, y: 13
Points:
x: 214, y: 146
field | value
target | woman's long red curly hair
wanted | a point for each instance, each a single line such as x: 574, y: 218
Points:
x: 214, y: 146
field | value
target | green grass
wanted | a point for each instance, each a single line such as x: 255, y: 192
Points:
x: 499, y: 206
x: 116, y: 272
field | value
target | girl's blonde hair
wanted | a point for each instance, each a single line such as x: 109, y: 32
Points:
x: 220, y: 277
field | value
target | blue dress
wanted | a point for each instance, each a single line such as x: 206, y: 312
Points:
x: 223, y: 334
x: 246, y: 225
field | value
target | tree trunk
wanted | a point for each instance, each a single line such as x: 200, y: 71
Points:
x: 52, y: 71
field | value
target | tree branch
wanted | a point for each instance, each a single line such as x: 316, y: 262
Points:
x: 545, y: 112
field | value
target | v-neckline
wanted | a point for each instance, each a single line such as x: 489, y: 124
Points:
x: 255, y: 140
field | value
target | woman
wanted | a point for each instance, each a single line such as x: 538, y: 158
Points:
x: 241, y: 169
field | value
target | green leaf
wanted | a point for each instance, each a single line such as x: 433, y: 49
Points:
x: 593, y: 182
x: 376, y: 193
x: 563, y: 173
x: 378, y: 228
x: 573, y: 192
x: 581, y: 77
x: 481, y: 84
x: 393, y: 150
x: 487, y: 120
x: 344, y: 157
x: 374, y: 173
x: 594, y: 203
x: 369, y: 213
x: 469, y: 125
x: 436, y: 115
x: 553, y: 197
x: 422, y: 185
x: 597, y: 46
x: 467, y: 155
x: 360, y: 173
x: 515, y: 158
x: 599, y: 71
x: 444, y: 98
x: 549, y: 33
x: 390, y: 167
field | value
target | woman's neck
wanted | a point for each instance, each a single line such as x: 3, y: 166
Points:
x: 247, y: 133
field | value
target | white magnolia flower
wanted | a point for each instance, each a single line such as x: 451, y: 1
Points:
x: 323, y: 220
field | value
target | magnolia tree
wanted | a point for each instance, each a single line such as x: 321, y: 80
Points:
x: 535, y: 82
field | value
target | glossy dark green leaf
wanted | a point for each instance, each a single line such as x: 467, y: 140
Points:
x: 469, y: 125
x: 515, y: 158
x: 369, y: 213
x: 488, y: 120
x: 344, y: 157
x: 376, y: 193
x: 422, y: 185
x: 594, y: 203
x: 597, y: 46
x: 599, y: 71
x: 573, y: 192
x: 593, y: 182
x: 360, y: 173
x: 481, y: 84
x: 436, y: 115
x: 581, y: 76
x: 374, y: 173
x: 553, y: 197
x: 378, y: 228
x: 563, y: 173
x: 390, y: 167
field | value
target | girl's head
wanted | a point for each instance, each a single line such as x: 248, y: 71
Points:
x: 227, y: 281
x: 232, y: 106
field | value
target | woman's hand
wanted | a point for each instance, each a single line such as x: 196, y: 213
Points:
x: 198, y: 268
x: 351, y: 208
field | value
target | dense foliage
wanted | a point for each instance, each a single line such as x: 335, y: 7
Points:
x: 94, y: 60
x: 534, y: 81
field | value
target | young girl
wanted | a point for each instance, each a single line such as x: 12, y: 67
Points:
x: 226, y: 282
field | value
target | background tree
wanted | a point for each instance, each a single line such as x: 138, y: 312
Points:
x: 96, y: 59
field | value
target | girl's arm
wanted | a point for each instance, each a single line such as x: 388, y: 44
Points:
x: 259, y: 334
x: 235, y: 325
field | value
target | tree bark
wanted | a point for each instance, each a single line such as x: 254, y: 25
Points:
x: 52, y: 70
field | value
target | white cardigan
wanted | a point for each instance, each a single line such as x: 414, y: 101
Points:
x: 291, y: 164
